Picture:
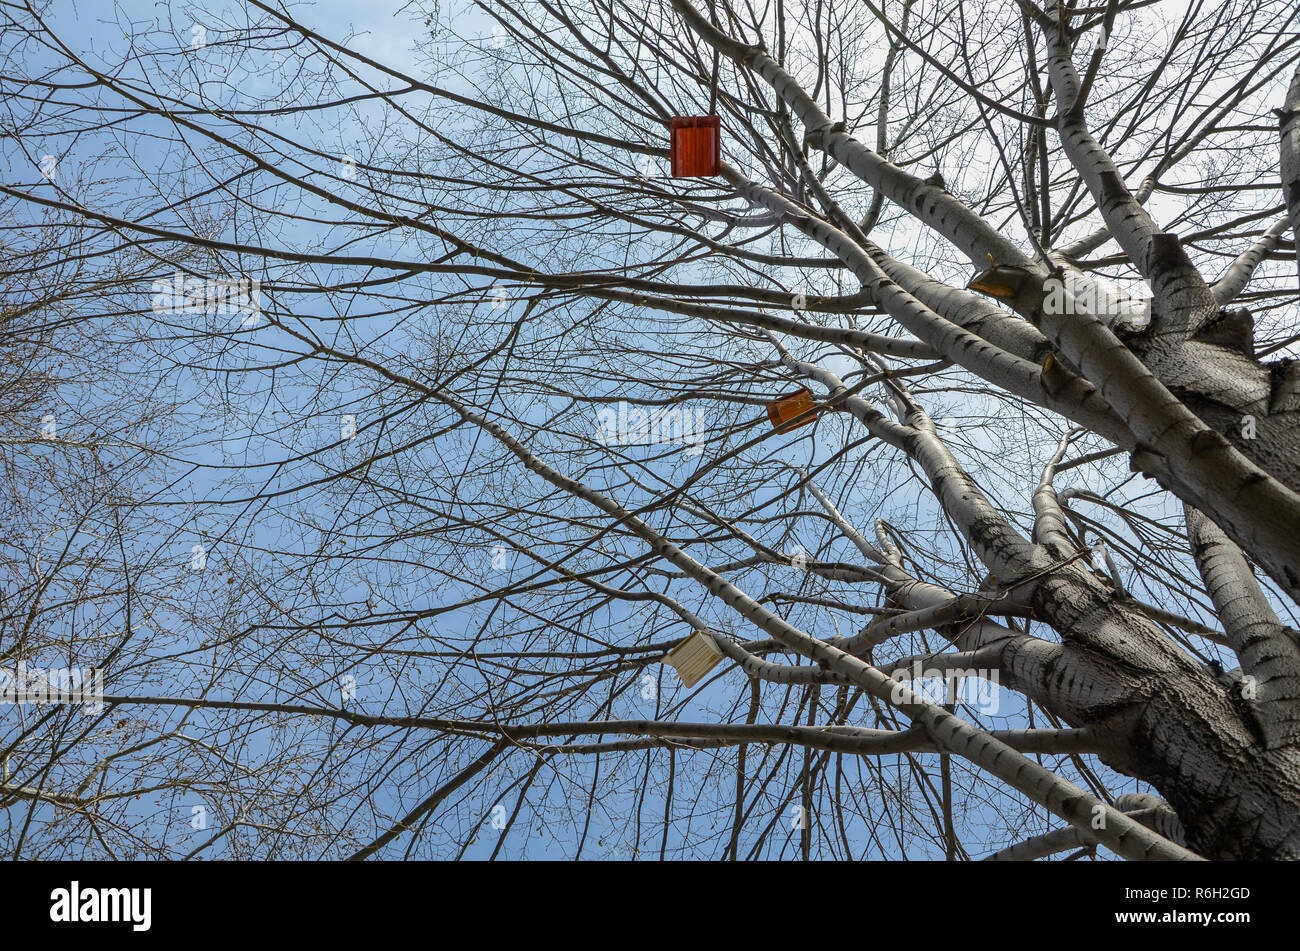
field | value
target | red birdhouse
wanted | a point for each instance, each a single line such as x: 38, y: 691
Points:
x: 696, y: 146
x: 785, y: 408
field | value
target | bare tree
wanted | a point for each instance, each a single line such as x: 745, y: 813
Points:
x: 969, y: 362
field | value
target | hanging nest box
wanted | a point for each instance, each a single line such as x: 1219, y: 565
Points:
x: 785, y: 410
x: 694, y: 657
x: 695, y: 146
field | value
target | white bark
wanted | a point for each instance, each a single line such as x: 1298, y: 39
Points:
x: 1289, y: 131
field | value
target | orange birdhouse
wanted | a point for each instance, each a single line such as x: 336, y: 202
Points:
x: 785, y: 408
x: 696, y: 146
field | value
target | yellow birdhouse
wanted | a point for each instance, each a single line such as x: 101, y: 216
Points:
x: 694, y: 657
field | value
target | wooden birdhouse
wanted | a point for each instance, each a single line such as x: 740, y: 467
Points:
x: 695, y: 146
x: 782, y: 410
x: 694, y: 657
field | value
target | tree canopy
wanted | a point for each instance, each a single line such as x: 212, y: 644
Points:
x: 379, y: 412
